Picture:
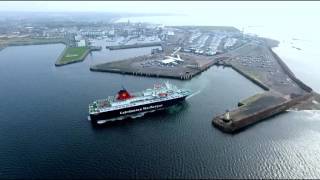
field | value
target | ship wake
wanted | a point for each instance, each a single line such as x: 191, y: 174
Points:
x: 196, y: 93
x: 133, y: 116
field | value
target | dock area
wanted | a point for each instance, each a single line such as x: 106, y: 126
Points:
x: 188, y: 51
x: 151, y: 66
x: 184, y: 53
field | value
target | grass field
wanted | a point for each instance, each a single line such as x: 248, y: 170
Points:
x: 73, y: 54
x: 17, y: 41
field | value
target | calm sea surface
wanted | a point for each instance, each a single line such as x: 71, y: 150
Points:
x: 44, y: 131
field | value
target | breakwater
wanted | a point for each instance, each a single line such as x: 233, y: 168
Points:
x: 137, y: 45
x: 275, y: 100
x: 95, y: 48
x: 240, y: 119
x: 147, y: 74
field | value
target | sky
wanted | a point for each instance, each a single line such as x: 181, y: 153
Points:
x: 180, y: 7
x: 296, y: 17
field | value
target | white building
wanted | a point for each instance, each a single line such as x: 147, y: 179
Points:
x: 170, y: 33
x: 78, y: 37
x: 81, y: 43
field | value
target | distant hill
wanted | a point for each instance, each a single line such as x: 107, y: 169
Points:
x: 220, y: 28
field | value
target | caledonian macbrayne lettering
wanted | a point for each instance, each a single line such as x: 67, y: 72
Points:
x: 141, y: 109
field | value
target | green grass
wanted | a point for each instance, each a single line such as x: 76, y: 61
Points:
x: 16, y: 41
x: 73, y: 54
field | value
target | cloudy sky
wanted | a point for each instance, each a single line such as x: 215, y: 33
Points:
x: 189, y: 7
x: 298, y: 18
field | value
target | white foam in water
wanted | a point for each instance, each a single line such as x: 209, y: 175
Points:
x: 113, y: 119
x: 102, y: 121
x: 193, y: 94
x: 137, y: 115
x: 311, y: 115
x: 134, y: 116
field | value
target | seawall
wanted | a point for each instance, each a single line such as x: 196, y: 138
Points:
x: 290, y: 73
x: 137, y: 45
x: 136, y: 73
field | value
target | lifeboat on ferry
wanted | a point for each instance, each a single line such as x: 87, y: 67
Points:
x: 163, y: 94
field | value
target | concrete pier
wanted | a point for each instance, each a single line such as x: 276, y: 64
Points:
x: 149, y: 65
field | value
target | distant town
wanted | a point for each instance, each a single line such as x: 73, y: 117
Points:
x: 80, y: 38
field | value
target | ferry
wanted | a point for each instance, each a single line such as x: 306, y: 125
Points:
x: 125, y: 104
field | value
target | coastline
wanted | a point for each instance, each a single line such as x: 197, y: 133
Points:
x: 31, y: 41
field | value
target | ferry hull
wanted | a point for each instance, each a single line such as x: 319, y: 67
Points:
x: 127, y: 112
